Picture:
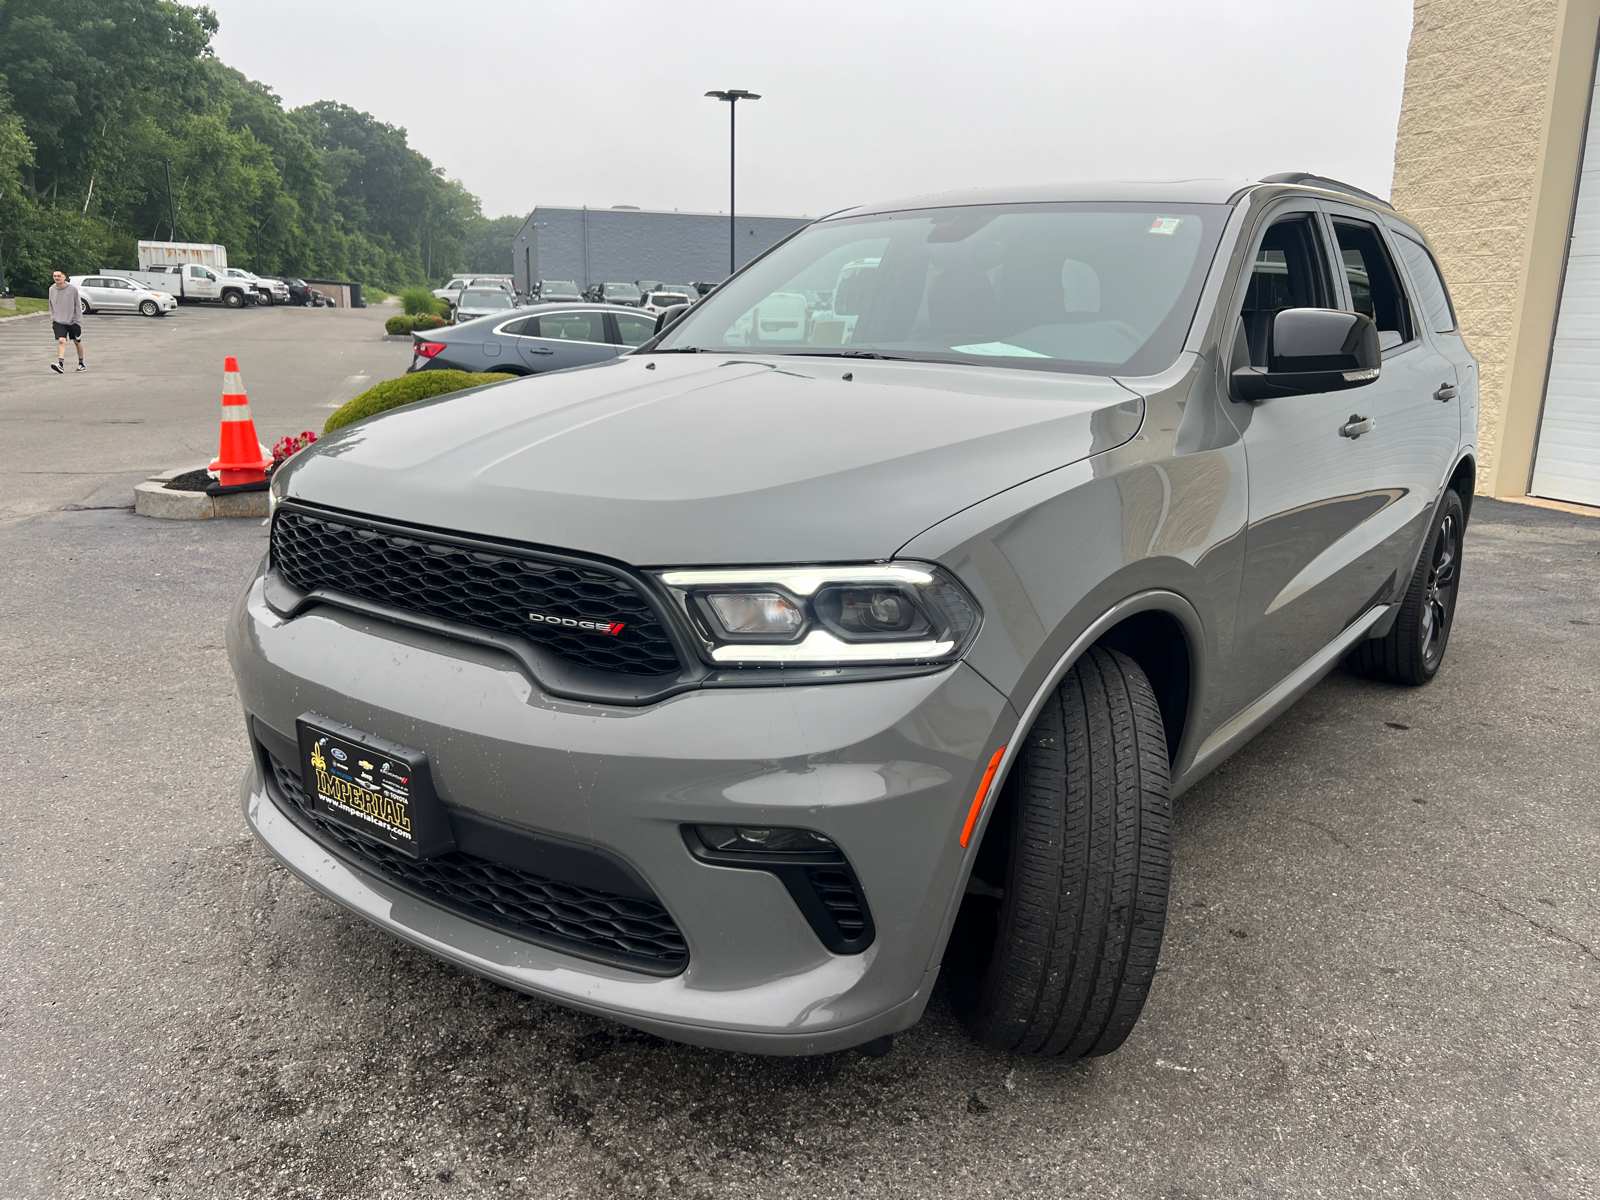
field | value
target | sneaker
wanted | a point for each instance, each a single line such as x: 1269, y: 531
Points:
x: 58, y: 367
x: 82, y: 366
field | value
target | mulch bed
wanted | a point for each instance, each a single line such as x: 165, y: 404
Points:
x: 189, y: 481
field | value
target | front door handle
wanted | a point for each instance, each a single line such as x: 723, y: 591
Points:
x: 1446, y: 393
x: 1356, y: 426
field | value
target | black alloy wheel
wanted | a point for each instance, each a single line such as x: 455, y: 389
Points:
x: 149, y: 308
x: 1056, y: 943
x: 1413, y: 650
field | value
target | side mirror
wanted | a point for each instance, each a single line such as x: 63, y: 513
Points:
x: 669, y: 315
x: 1313, y: 350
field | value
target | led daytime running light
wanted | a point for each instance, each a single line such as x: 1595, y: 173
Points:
x: 820, y: 646
x: 802, y: 581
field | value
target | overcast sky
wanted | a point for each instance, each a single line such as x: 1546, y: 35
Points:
x: 600, y: 102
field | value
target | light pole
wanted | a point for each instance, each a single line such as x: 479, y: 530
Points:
x: 732, y: 96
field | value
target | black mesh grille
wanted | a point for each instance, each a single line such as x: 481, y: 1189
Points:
x: 565, y: 916
x: 836, y: 888
x: 488, y: 590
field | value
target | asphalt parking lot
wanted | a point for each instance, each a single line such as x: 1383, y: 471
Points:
x: 1381, y: 974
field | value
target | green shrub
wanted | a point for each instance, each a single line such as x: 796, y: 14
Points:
x: 441, y: 307
x: 404, y: 324
x: 408, y: 389
x: 416, y: 300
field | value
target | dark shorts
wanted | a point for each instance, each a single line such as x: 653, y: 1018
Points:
x: 73, y: 331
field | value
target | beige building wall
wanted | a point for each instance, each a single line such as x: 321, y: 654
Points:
x: 1491, y: 130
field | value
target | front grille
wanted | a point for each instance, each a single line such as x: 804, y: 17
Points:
x: 584, y: 921
x: 841, y: 897
x: 488, y: 589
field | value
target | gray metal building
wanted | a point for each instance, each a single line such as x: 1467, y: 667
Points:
x: 619, y: 245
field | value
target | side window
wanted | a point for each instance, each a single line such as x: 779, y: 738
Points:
x: 635, y: 331
x: 1374, y: 283
x: 570, y: 327
x: 1289, y: 272
x: 94, y: 281
x: 1432, y: 298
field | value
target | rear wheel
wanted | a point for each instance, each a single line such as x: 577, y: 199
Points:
x: 84, y: 305
x: 1413, y: 649
x: 1056, y: 943
x: 149, y: 308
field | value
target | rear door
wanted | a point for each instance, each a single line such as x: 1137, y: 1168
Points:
x: 1413, y: 406
x: 1307, y: 569
x: 633, y: 329
x: 552, y: 341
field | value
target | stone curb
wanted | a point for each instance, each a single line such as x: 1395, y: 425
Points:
x: 24, y: 316
x: 153, y: 498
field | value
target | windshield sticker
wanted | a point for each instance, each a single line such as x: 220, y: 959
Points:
x: 1166, y: 225
x: 1005, y: 349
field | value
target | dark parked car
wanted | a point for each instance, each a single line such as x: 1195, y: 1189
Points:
x: 746, y: 686
x: 531, y: 341
x: 614, y: 293
x: 556, y: 291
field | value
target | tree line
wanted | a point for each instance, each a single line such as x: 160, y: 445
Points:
x: 103, y: 101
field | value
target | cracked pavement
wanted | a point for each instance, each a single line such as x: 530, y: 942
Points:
x: 1380, y: 974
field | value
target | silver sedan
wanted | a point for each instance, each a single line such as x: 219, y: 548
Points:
x: 530, y: 341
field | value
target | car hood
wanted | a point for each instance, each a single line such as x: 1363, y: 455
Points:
x: 688, y: 460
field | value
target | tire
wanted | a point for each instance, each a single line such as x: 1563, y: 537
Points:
x: 84, y: 305
x: 1056, y: 943
x: 150, y: 308
x: 233, y: 299
x: 1412, y: 652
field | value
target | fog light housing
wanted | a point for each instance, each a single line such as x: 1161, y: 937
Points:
x: 764, y: 840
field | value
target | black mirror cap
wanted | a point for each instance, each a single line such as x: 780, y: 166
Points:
x: 669, y: 315
x: 1314, y: 350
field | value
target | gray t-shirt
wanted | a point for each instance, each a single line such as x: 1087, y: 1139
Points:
x: 65, y: 308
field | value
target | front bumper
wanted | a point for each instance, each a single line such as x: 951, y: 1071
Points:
x: 887, y: 769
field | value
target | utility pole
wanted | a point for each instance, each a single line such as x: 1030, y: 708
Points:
x: 732, y: 97
x: 172, y: 210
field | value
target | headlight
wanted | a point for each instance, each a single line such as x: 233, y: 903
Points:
x: 826, y: 616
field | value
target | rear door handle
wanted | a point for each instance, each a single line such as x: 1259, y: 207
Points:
x: 1356, y: 426
x: 538, y: 350
x: 1446, y: 393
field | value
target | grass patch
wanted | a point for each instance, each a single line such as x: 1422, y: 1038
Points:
x: 26, y: 305
x: 408, y: 389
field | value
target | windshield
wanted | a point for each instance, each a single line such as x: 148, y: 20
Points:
x: 558, y: 287
x: 665, y: 299
x: 485, y: 300
x: 621, y: 289
x: 1095, y: 288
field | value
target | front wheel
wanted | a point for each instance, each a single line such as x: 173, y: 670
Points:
x: 149, y: 308
x: 1055, y: 947
x: 1413, y: 649
x: 233, y: 299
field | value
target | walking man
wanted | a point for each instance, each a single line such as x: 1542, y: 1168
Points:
x: 65, y: 309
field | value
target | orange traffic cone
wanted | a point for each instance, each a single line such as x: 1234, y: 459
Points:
x: 240, y: 456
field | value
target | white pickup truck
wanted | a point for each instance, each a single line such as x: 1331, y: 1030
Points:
x: 193, y: 282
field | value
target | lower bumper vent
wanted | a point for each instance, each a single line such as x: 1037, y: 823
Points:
x: 636, y: 934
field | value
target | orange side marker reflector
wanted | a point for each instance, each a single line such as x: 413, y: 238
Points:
x: 983, y: 792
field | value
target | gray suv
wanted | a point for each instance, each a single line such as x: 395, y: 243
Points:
x: 741, y: 687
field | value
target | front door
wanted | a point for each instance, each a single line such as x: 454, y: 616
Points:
x: 554, y: 340
x: 1307, y: 557
x: 1416, y: 430
x: 119, y: 294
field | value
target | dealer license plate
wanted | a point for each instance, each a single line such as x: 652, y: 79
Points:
x: 372, y: 786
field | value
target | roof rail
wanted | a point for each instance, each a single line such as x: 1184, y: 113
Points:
x: 1306, y: 179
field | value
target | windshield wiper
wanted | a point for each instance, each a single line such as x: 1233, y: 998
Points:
x: 852, y: 354
x: 680, y: 350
